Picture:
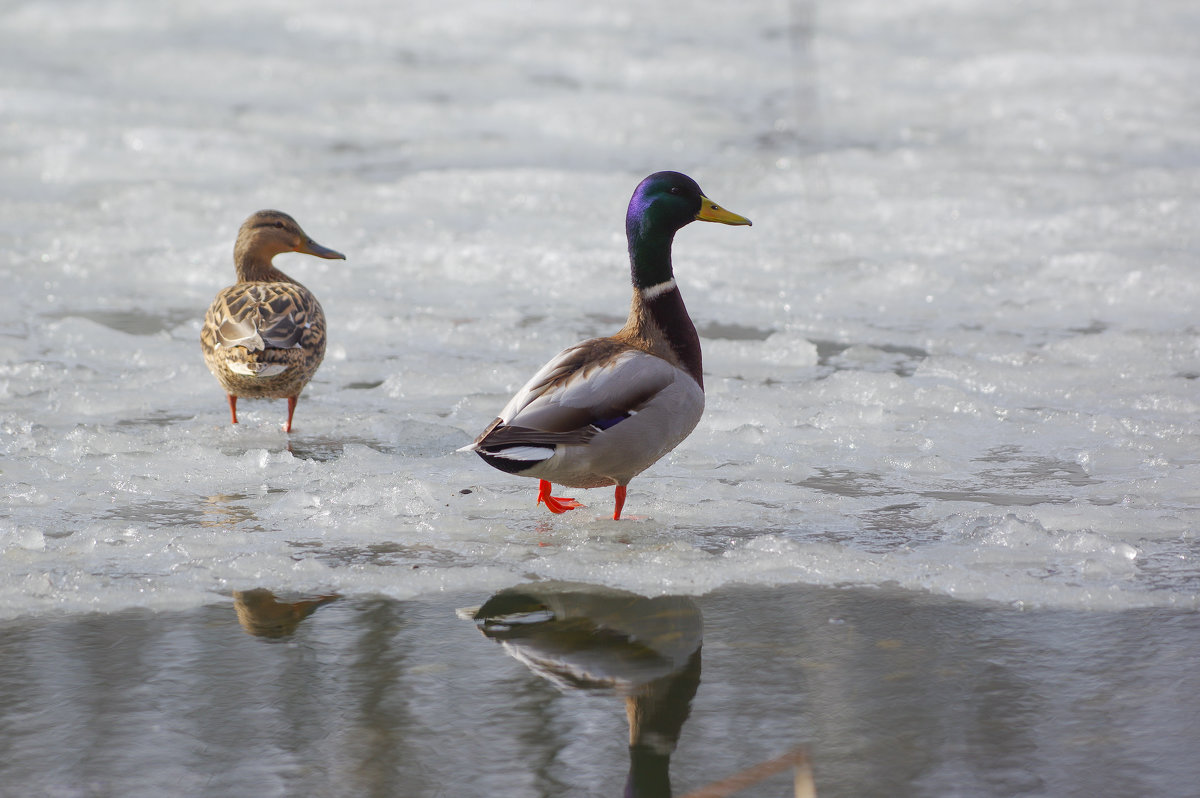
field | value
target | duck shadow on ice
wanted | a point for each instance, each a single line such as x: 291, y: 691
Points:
x: 408, y: 438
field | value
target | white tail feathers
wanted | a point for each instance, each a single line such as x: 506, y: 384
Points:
x: 524, y: 453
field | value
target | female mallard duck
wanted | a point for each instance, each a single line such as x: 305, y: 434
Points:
x: 265, y: 336
x: 603, y: 411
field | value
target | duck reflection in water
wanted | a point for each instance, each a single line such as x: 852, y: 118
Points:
x: 262, y: 614
x: 581, y: 636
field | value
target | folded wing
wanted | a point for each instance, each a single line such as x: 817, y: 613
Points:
x: 584, y: 390
x: 263, y: 316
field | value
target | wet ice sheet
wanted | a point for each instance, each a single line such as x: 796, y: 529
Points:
x: 957, y: 351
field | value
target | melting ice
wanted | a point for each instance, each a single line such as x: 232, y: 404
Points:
x: 957, y: 351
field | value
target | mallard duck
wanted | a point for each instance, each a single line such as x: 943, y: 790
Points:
x: 265, y: 336
x: 604, y: 410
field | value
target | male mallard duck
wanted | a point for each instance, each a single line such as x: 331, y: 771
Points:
x: 265, y: 336
x: 603, y: 411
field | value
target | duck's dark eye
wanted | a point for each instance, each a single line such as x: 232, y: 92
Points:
x: 676, y: 190
x: 280, y: 225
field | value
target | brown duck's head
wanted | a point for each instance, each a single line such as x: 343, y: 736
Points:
x: 266, y: 234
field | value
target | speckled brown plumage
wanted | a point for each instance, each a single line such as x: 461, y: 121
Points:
x: 264, y: 337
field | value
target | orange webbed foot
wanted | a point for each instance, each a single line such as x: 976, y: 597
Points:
x: 555, y: 504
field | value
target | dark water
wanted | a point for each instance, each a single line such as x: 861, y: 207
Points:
x: 578, y: 691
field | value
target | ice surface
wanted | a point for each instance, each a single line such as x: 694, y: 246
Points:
x: 957, y: 351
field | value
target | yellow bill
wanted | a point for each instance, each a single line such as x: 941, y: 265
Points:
x: 712, y: 212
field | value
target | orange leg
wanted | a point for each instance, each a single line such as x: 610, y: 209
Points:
x: 291, y: 409
x: 233, y: 408
x: 554, y: 504
x: 620, y: 498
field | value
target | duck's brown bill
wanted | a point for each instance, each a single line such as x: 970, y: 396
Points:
x: 311, y: 247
